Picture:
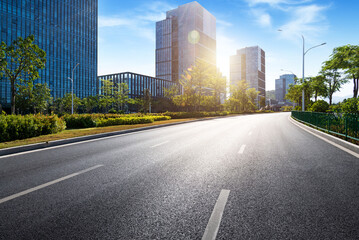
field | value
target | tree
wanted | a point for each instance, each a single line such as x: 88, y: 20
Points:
x: 90, y: 103
x: 332, y: 79
x: 217, y: 83
x: 146, y: 100
x: 20, y: 61
x: 121, y: 98
x: 41, y: 98
x: 317, y: 84
x: 238, y: 101
x: 252, y: 94
x: 106, y: 97
x: 66, y: 102
x: 262, y: 102
x: 347, y: 58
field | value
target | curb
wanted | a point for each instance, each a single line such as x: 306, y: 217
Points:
x: 30, y: 147
x: 339, y: 141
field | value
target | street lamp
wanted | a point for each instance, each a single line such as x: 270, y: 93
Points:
x: 72, y: 88
x: 304, y: 52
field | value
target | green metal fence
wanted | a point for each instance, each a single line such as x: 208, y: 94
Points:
x: 345, y: 124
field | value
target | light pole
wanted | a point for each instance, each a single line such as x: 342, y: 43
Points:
x: 72, y: 88
x: 304, y: 52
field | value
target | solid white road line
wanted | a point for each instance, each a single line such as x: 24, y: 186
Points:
x: 47, y: 184
x: 216, y: 216
x: 157, y: 145
x: 241, y: 150
x: 326, y: 140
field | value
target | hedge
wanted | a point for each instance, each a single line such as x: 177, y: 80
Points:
x: 129, y: 120
x: 179, y: 115
x: 14, y: 127
x: 80, y: 120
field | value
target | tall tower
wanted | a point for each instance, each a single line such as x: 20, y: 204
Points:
x: 249, y: 64
x: 188, y: 33
x: 282, y: 86
x: 66, y: 31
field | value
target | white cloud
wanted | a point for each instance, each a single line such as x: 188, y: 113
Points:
x: 307, y: 20
x: 141, y: 20
x: 262, y: 18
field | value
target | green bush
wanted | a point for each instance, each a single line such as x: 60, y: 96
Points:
x: 102, y: 122
x: 350, y: 105
x: 180, y: 115
x: 319, y: 106
x: 14, y: 127
x: 80, y: 120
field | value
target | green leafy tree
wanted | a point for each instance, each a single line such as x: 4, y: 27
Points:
x: 146, y: 100
x: 238, y: 101
x: 107, y: 94
x: 333, y: 79
x: 121, y: 96
x: 20, y: 61
x: 317, y: 84
x: 262, y: 102
x: 41, y: 98
x: 252, y: 94
x: 90, y: 103
x: 347, y: 58
x: 66, y: 103
x: 350, y: 105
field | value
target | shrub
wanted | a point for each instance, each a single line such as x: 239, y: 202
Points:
x: 319, y: 106
x: 180, y: 115
x: 112, y: 110
x: 102, y: 122
x: 14, y: 127
x: 350, y: 105
x: 80, y: 120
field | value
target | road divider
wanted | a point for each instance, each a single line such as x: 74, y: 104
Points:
x: 47, y: 184
x: 216, y: 217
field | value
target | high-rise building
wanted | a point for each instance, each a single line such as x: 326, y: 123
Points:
x: 249, y: 64
x: 282, y: 86
x: 188, y: 33
x: 66, y: 31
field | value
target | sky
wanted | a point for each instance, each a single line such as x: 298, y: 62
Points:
x: 126, y: 35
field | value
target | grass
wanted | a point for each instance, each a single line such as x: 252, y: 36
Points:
x: 71, y: 133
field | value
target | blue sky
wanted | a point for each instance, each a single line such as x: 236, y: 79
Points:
x: 127, y: 33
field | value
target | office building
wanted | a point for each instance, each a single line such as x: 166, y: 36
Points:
x: 188, y: 33
x: 282, y: 86
x: 66, y: 31
x: 249, y: 64
x: 138, y: 83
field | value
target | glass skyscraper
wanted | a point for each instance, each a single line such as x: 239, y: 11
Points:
x: 188, y: 33
x: 282, y: 86
x: 66, y: 30
x: 249, y: 64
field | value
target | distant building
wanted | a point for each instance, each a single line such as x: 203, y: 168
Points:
x: 282, y: 86
x: 137, y: 83
x: 66, y: 31
x: 188, y: 33
x: 249, y: 64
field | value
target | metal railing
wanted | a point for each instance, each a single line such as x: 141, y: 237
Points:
x: 342, y: 124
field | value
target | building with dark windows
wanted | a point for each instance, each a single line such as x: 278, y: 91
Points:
x: 66, y: 31
x: 249, y: 64
x: 137, y: 84
x: 282, y: 86
x: 188, y: 33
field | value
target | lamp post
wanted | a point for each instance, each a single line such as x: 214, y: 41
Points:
x: 72, y: 88
x: 304, y: 52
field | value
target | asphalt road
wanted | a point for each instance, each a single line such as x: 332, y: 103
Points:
x: 253, y: 176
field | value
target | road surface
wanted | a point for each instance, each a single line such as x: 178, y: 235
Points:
x: 245, y: 177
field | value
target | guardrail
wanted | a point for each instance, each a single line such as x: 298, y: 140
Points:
x: 342, y: 124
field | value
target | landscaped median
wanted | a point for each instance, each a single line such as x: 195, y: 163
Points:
x: 17, y: 130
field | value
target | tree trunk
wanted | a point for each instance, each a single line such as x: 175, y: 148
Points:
x: 330, y: 99
x: 356, y: 83
x: 13, y: 95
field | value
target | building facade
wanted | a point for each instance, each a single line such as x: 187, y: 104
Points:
x: 137, y: 84
x: 249, y: 64
x: 282, y: 86
x: 66, y: 30
x: 188, y: 33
